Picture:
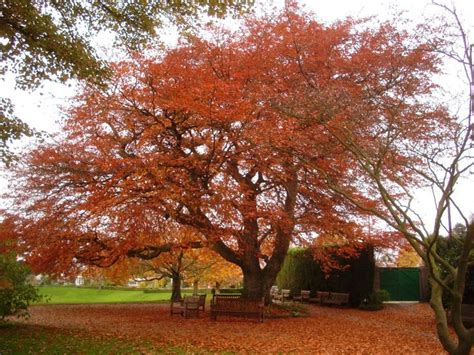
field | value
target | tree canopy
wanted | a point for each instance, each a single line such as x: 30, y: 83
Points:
x: 53, y: 40
x: 11, y: 128
x: 228, y: 136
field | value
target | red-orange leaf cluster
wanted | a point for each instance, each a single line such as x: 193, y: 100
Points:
x: 235, y: 137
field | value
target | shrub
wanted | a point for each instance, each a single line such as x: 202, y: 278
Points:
x: 287, y: 309
x: 374, y: 301
x: 230, y: 290
x: 16, y: 294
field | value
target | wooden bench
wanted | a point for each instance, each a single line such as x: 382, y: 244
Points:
x: 337, y: 298
x: 303, y: 297
x: 330, y: 298
x: 235, y: 305
x: 320, y: 295
x: 187, y: 306
x: 202, y: 302
x: 275, y: 294
x: 280, y: 296
x: 467, y: 312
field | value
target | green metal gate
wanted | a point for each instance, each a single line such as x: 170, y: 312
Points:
x: 403, y: 284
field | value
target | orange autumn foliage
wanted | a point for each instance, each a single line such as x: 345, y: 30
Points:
x: 223, y: 135
x: 408, y: 258
x: 191, y: 265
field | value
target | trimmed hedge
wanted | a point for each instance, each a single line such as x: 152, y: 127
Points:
x: 231, y: 290
x: 301, y: 272
x: 469, y: 290
x: 165, y: 290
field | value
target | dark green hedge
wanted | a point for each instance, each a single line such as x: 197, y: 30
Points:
x: 469, y: 290
x: 230, y: 290
x: 301, y: 272
x: 450, y: 249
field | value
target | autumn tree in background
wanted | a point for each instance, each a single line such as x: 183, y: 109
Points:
x: 228, y: 136
x: 191, y: 265
x: 196, y: 266
x: 173, y: 265
x: 408, y: 258
x: 216, y: 271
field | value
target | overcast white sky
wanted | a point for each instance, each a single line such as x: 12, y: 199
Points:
x: 41, y: 109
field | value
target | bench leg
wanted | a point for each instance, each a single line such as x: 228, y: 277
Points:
x: 188, y: 312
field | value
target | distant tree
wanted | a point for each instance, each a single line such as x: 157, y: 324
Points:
x: 217, y: 271
x: 450, y: 247
x: 172, y: 265
x: 192, y: 265
x: 408, y: 257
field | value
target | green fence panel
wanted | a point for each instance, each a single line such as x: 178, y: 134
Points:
x: 403, y: 284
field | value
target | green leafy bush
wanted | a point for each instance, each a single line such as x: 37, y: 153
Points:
x: 382, y: 295
x: 16, y: 294
x: 374, y: 301
x: 287, y: 309
x: 297, y: 309
x: 230, y: 290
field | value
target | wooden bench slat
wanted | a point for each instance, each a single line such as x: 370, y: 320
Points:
x: 187, y: 306
x: 235, y: 305
x: 467, y: 311
x: 303, y: 297
x: 330, y: 298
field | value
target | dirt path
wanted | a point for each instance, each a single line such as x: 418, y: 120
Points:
x: 408, y: 329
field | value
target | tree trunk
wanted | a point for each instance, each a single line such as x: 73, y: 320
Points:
x: 258, y: 282
x: 253, y: 285
x: 463, y: 344
x: 176, y: 288
x: 195, y: 287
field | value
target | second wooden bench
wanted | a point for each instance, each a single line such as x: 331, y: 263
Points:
x: 235, y: 305
x: 330, y: 298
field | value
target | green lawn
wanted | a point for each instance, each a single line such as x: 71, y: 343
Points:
x: 30, y: 339
x: 61, y: 295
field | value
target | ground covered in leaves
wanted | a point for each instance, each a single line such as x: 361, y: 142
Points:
x: 398, y: 329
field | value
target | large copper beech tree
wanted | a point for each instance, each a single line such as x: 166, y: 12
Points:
x: 207, y: 135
